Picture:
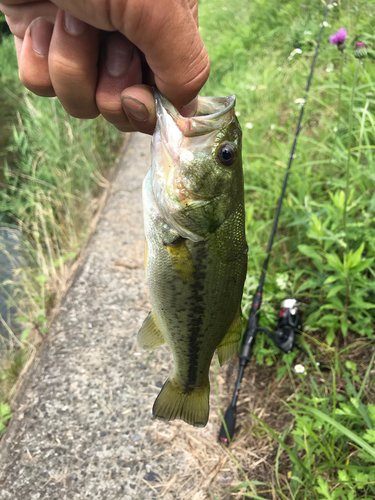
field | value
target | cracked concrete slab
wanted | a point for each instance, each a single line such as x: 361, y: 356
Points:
x: 82, y: 424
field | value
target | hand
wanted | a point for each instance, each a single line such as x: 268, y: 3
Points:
x: 103, y: 56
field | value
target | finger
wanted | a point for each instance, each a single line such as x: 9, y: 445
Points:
x: 120, y: 67
x: 33, y: 57
x: 18, y: 43
x: 19, y: 17
x: 72, y: 64
x: 172, y: 45
x: 139, y: 104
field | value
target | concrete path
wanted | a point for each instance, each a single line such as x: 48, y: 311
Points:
x: 82, y: 425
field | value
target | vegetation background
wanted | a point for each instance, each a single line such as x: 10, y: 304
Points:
x: 52, y: 166
x: 52, y: 172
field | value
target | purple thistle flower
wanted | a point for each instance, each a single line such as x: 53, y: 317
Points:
x: 339, y: 37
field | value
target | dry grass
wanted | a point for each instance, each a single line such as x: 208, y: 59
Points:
x: 208, y: 470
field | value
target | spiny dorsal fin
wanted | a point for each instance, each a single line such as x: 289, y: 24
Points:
x: 181, y: 260
x: 229, y: 345
x: 150, y: 335
x: 192, y: 407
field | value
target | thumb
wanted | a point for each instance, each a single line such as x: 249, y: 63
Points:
x: 175, y: 52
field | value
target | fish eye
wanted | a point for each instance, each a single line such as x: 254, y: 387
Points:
x: 226, y: 154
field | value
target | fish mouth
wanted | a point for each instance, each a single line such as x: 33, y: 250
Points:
x: 176, y: 136
x: 212, y: 113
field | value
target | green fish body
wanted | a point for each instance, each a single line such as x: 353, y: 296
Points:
x: 196, y: 251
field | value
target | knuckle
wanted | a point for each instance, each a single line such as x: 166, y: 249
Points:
x: 109, y: 107
x: 67, y: 70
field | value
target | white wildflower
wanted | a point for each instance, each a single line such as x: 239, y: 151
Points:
x: 330, y: 68
x: 249, y: 125
x: 335, y: 4
x: 300, y: 101
x: 299, y: 368
x: 237, y: 113
x: 282, y: 281
x: 272, y: 126
x: 325, y: 24
x: 293, y: 53
x: 307, y: 32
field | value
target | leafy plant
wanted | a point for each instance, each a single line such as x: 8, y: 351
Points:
x: 5, y: 415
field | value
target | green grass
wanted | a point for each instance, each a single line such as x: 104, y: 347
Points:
x: 251, y: 59
x: 52, y: 168
x: 323, y: 252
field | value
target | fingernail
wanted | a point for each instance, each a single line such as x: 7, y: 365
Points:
x: 74, y: 26
x: 119, y: 55
x: 135, y: 108
x: 41, y: 33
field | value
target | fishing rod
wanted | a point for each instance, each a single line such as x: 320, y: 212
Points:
x: 289, y: 324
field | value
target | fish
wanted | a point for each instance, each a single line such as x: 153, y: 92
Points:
x: 196, y: 250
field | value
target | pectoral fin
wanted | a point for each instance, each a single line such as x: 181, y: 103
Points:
x: 150, y: 335
x: 181, y: 260
x: 229, y: 345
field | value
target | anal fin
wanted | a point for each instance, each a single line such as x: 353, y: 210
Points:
x: 229, y: 345
x: 150, y: 335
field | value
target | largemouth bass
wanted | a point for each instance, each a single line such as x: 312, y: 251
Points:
x: 196, y: 251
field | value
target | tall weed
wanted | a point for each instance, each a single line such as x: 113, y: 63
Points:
x: 52, y: 168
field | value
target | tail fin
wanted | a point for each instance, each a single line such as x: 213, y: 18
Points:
x: 173, y: 403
